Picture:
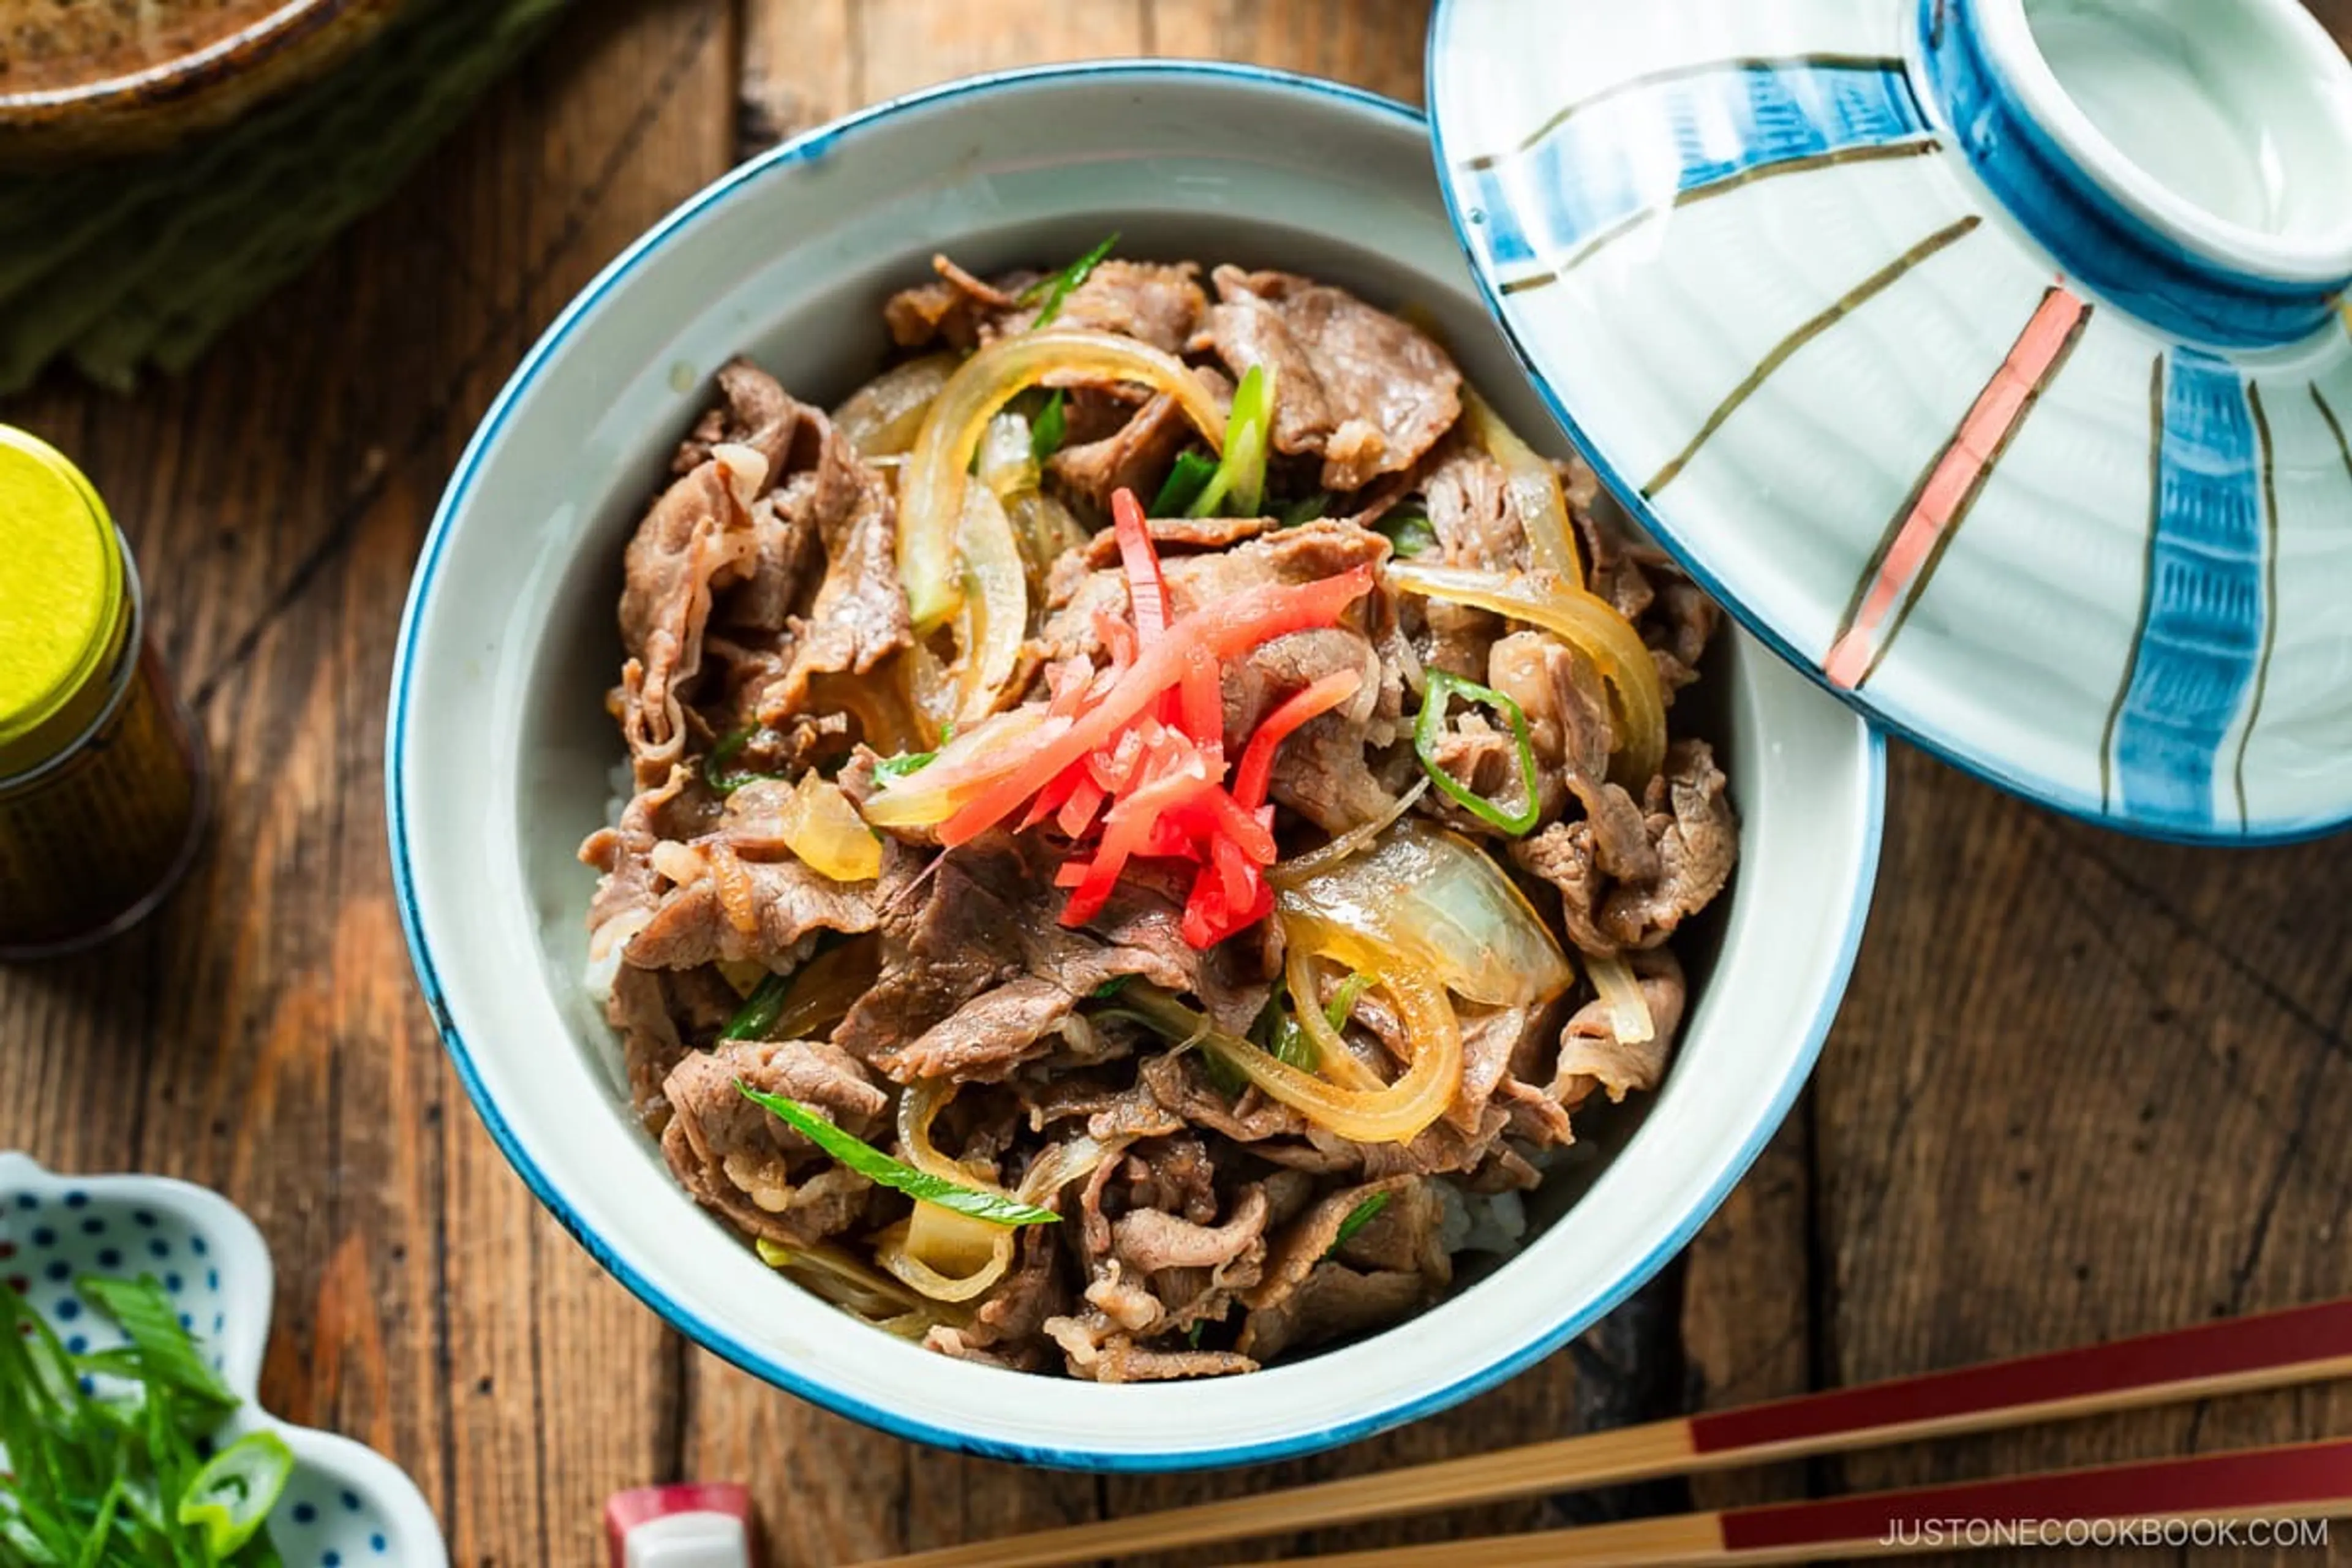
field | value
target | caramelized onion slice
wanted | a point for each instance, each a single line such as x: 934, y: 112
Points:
x: 931, y: 489
x: 1435, y: 901
x: 1587, y: 624
x: 1395, y: 1113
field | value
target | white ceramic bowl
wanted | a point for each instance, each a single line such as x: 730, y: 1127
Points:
x: 346, y: 1506
x: 499, y: 751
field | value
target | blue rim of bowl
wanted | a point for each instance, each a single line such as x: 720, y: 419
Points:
x: 803, y: 1381
x: 2038, y: 790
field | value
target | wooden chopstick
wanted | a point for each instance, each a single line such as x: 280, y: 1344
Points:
x: 2297, y: 1481
x: 2303, y: 1344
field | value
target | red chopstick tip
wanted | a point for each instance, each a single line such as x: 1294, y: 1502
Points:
x: 700, y: 1524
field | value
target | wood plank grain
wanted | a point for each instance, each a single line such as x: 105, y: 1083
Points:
x: 1374, y: 44
x: 2083, y: 1087
x: 263, y: 1035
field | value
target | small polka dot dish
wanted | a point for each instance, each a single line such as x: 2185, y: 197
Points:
x: 346, y: 1506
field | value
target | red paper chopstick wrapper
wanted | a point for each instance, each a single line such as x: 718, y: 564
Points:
x: 696, y: 1526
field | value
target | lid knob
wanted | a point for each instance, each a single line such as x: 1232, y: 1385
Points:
x: 2184, y: 159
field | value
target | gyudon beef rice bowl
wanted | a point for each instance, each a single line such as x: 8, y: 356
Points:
x: 1152, y: 822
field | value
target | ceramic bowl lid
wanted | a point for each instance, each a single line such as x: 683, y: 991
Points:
x: 1989, y: 357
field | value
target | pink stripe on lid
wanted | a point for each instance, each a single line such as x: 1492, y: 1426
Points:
x: 1952, y: 484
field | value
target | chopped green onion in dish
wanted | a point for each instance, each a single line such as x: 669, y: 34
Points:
x: 160, y: 1350
x: 1362, y: 1215
x: 1239, y: 483
x: 1292, y: 1046
x: 1408, y: 529
x: 1053, y: 427
x: 893, y: 768
x: 1309, y: 509
x: 1430, y: 727
x: 760, y: 1009
x: 714, y: 767
x: 1054, y: 290
x: 885, y: 1170
x: 230, y: 1498
x: 107, y: 1475
x: 1185, y: 481
x: 1342, y: 1006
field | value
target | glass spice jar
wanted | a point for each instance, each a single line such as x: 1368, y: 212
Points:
x: 102, y: 787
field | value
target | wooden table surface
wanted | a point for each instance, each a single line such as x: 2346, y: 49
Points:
x: 2082, y: 1086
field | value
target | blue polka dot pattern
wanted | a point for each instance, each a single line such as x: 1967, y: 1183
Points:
x: 323, y: 1521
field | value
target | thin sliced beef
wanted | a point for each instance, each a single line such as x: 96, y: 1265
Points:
x: 1155, y: 302
x: 1149, y: 1240
x: 1316, y: 1286
x: 753, y: 410
x: 1567, y: 713
x: 1697, y: 840
x: 1098, y: 1349
x: 1355, y: 386
x: 978, y: 972
x: 737, y: 1159
x: 1334, y: 1301
x: 1629, y: 877
x: 858, y: 617
x: 1160, y: 303
x: 1012, y: 1316
x: 952, y: 309
x: 1178, y: 1082
x: 1592, y: 1056
x: 1470, y: 510
x: 697, y: 541
x: 1176, y: 536
x: 1674, y: 617
x: 629, y: 891
x: 1136, y: 457
x: 760, y: 912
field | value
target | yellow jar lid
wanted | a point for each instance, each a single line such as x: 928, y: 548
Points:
x: 64, y: 603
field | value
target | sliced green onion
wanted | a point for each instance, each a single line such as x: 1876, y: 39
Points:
x: 1224, y: 1076
x: 890, y: 770
x: 1054, y: 290
x: 714, y: 766
x: 1408, y: 529
x: 160, y: 1350
x: 231, y: 1497
x: 1310, y: 510
x: 1192, y: 1334
x: 1362, y: 1215
x: 1186, y: 480
x: 1110, y: 987
x: 1430, y: 727
x: 1291, y: 1045
x: 1053, y: 427
x: 884, y: 1171
x: 759, y: 1010
x: 1343, y: 1002
x: 1240, y: 479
